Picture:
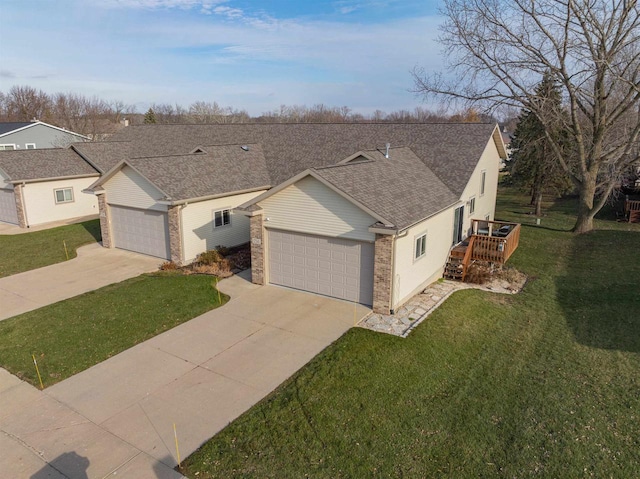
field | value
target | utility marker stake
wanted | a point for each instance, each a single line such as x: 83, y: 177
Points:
x: 219, y: 300
x: 175, y: 435
x: 65, y: 249
x: 37, y: 370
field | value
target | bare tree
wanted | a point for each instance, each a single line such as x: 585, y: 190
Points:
x: 25, y: 103
x: 498, y: 50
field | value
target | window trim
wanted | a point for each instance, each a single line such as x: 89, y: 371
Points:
x: 221, y: 211
x: 422, y: 237
x: 472, y: 205
x: 483, y: 182
x: 67, y: 188
x: 27, y: 145
x: 4, y: 145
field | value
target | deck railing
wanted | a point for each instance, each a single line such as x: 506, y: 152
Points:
x: 631, y: 205
x: 494, y: 241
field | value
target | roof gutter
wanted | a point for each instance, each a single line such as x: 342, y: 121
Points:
x: 210, y: 197
x: 55, y: 178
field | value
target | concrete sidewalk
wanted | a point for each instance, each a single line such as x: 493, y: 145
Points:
x: 93, y: 268
x: 199, y: 376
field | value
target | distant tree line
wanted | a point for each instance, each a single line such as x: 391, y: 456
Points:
x: 98, y: 118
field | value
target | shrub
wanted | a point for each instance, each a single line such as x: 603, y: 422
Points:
x: 209, y: 257
x: 168, y: 266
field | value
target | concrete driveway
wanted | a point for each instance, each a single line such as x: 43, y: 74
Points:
x: 117, y: 417
x: 93, y: 268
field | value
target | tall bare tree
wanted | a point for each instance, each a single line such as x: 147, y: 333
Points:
x: 498, y: 50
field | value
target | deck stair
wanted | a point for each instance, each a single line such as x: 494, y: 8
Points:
x: 459, y: 258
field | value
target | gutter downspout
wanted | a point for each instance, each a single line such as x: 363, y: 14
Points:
x: 24, y: 205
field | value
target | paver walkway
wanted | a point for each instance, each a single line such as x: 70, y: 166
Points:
x: 93, y: 268
x: 117, y: 417
x: 418, y: 308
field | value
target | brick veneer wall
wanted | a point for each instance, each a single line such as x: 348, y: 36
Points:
x: 20, y: 210
x: 105, y: 227
x: 175, y: 237
x: 257, y: 249
x: 382, y: 273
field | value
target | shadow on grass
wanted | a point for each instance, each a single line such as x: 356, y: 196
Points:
x: 93, y: 228
x: 600, y: 294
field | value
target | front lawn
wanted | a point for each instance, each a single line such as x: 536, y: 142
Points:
x: 73, y: 335
x: 27, y: 251
x: 540, y: 384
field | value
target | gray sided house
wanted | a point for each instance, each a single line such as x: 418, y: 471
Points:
x: 329, y: 208
x: 45, y: 185
x: 36, y: 134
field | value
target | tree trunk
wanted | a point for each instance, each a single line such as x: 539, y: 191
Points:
x: 539, y: 203
x: 586, y: 212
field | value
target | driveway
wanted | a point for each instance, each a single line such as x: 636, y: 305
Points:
x: 93, y: 268
x: 118, y: 416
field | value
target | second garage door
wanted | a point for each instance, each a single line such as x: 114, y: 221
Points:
x: 334, y: 267
x: 8, y: 212
x: 142, y: 231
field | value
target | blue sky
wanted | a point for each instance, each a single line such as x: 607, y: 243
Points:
x: 249, y: 54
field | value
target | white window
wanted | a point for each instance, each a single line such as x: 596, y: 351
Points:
x: 64, y: 195
x: 221, y: 218
x: 30, y: 146
x: 472, y: 205
x: 7, y: 147
x: 421, y: 246
x: 483, y: 182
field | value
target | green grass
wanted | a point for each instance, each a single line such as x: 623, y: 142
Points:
x: 540, y: 384
x: 73, y: 335
x: 27, y: 251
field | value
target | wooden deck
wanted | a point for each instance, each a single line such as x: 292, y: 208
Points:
x: 632, y: 210
x: 491, y: 241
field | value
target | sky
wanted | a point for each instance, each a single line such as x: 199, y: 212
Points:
x: 253, y: 55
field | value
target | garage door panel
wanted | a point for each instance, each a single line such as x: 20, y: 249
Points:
x: 8, y: 211
x: 142, y: 231
x: 330, y: 266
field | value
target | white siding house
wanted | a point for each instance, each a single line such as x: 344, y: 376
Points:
x: 58, y: 200
x: 308, y: 206
x: 411, y: 273
x: 199, y: 232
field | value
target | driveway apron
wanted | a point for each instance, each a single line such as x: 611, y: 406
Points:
x: 199, y: 376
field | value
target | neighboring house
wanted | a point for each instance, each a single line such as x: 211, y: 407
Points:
x: 176, y: 207
x: 44, y: 185
x: 35, y: 134
x: 315, y: 196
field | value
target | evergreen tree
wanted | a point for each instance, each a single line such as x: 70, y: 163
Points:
x: 150, y: 117
x: 534, y: 164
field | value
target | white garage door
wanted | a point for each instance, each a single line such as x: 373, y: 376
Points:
x: 142, y: 231
x: 331, y: 266
x: 8, y: 212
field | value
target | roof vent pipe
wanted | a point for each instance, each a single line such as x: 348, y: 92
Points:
x: 386, y: 155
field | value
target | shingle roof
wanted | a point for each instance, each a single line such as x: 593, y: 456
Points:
x: 401, y: 189
x: 46, y: 163
x: 104, y: 155
x: 222, y: 169
x: 13, y: 125
x: 451, y: 151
